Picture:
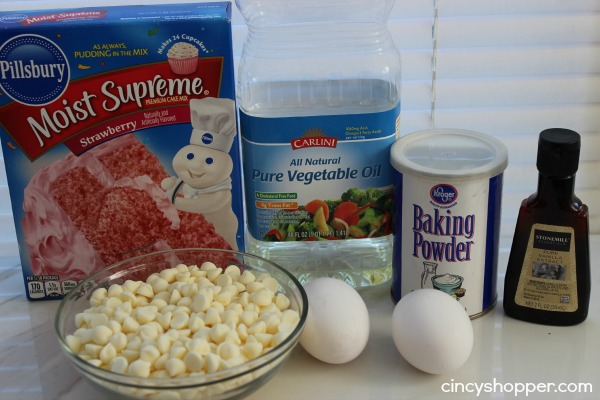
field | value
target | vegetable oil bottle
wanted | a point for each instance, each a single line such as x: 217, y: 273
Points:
x: 318, y: 92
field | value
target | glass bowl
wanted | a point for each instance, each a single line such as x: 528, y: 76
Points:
x: 233, y: 382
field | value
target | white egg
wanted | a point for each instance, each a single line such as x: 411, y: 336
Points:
x: 337, y: 325
x: 432, y: 331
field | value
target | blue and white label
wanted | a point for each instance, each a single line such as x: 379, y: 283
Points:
x: 446, y: 238
x: 33, y: 70
x: 320, y: 177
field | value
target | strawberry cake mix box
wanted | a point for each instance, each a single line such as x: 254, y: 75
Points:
x: 119, y: 136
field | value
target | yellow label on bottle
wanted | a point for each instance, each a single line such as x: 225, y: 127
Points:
x: 548, y: 278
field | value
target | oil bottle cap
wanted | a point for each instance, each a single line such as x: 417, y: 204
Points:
x: 558, y: 152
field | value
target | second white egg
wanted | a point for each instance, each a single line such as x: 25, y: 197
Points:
x: 337, y: 326
x: 432, y: 331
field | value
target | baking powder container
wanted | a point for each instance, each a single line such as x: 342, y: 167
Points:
x: 448, y: 192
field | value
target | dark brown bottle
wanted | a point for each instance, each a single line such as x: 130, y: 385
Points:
x: 548, y: 273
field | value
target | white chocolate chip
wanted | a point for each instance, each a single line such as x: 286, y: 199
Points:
x: 264, y: 339
x: 286, y: 327
x: 95, y: 362
x: 282, y: 301
x: 101, y: 334
x: 278, y: 338
x: 93, y: 349
x: 119, y: 365
x: 130, y: 355
x: 224, y: 297
x: 146, y: 290
x: 224, y: 280
x: 200, y: 346
x: 168, y: 274
x: 193, y: 361
x: 185, y: 302
x: 175, y: 367
x: 175, y: 296
x: 291, y: 316
x: 212, y: 317
x: 213, y: 274
x: 146, y: 314
x: 130, y: 324
x: 227, y: 350
x: 211, y: 362
x: 118, y: 340
x: 159, y: 284
x: 207, y: 266
x: 178, y: 351
x: 113, y: 302
x: 73, y: 342
x: 252, y: 350
x: 163, y: 343
x: 114, y: 326
x: 107, y: 353
x: 126, y: 307
x: 139, y: 368
x: 161, y: 362
x: 258, y: 327
x: 96, y: 320
x: 253, y: 287
x: 231, y: 316
x: 218, y: 333
x: 179, y: 320
x: 271, y: 284
x: 189, y: 290
x: 98, y: 297
x: 141, y: 300
x: 196, y: 322
x: 262, y: 298
x: 272, y: 321
x: 131, y: 285
x: 149, y: 353
x: 115, y: 290
x: 134, y: 342
x: 249, y: 317
x: 128, y: 297
x: 234, y: 271
x: 247, y: 277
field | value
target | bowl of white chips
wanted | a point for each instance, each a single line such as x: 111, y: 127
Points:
x: 182, y: 324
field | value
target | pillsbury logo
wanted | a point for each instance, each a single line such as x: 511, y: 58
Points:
x: 443, y: 194
x: 33, y: 70
x: 12, y: 18
x: 207, y: 138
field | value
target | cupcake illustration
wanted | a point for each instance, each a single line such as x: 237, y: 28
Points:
x: 183, y: 58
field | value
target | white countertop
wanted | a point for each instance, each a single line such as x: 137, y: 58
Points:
x: 507, y: 354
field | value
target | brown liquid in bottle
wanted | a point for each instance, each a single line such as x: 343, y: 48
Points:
x: 548, y: 274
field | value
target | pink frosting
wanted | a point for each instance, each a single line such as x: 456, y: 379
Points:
x: 55, y: 244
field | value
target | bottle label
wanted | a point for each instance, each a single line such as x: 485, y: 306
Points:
x: 548, y: 277
x: 319, y: 177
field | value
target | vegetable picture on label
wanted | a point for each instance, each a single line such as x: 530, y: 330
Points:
x: 358, y: 213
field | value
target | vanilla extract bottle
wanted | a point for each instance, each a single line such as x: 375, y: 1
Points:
x: 548, y: 273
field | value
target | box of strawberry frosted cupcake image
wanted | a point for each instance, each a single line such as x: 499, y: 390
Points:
x: 119, y: 136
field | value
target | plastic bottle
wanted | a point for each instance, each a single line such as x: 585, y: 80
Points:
x: 318, y: 92
x: 548, y: 273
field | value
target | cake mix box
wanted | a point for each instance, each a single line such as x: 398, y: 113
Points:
x: 119, y: 136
